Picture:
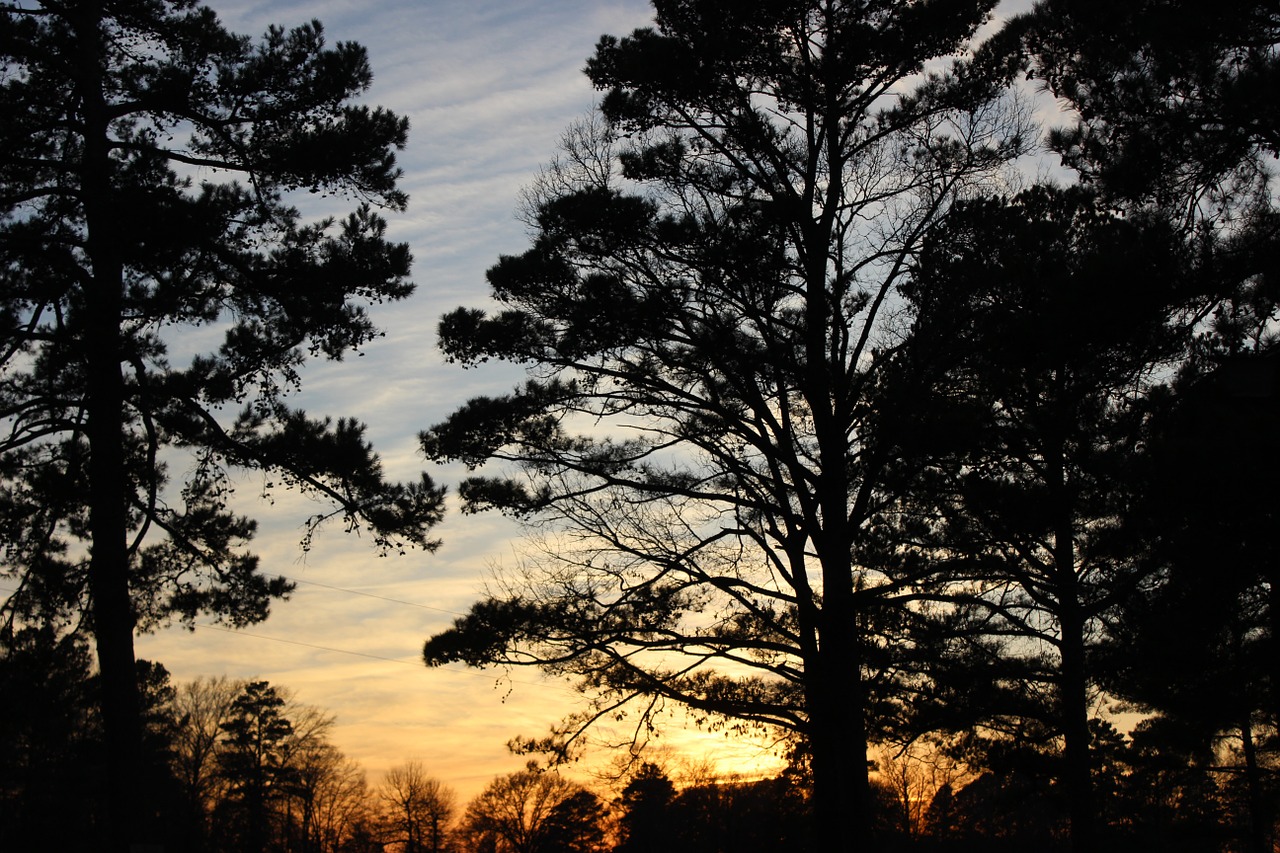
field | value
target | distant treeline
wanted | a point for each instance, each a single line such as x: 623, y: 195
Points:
x: 240, y: 767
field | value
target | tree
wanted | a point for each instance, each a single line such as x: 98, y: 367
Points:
x: 200, y: 708
x: 1171, y: 125
x: 576, y: 825
x: 1192, y: 655
x: 254, y: 762
x: 724, y: 816
x: 913, y: 776
x: 1198, y: 650
x: 254, y: 767
x: 330, y: 796
x: 124, y: 227
x: 53, y: 789
x: 1169, y: 96
x: 1170, y: 100
x: 281, y: 777
x: 419, y: 807
x: 1170, y: 797
x: 50, y: 739
x: 1037, y: 394
x: 644, y: 819
x: 705, y: 309
x: 533, y: 812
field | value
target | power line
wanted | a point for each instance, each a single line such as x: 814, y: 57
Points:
x: 414, y: 663
x: 237, y: 632
x: 349, y: 592
x: 241, y: 633
x: 371, y: 595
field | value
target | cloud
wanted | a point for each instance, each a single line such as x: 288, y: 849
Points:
x: 488, y: 87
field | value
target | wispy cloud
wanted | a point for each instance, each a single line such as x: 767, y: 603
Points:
x: 488, y: 87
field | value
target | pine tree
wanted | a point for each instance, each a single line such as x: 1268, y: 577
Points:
x: 146, y: 208
x: 709, y: 296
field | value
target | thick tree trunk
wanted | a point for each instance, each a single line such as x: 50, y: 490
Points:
x: 113, y: 634
x: 835, y: 688
x: 836, y: 691
x: 1077, y: 774
x: 838, y: 743
x: 111, y: 605
x: 1073, y: 687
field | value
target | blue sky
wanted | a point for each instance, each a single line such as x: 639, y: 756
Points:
x: 488, y: 86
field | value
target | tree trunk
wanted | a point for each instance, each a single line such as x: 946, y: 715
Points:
x: 1073, y: 688
x: 838, y: 745
x: 111, y: 605
x: 1273, y: 596
x: 1077, y: 774
x: 836, y: 691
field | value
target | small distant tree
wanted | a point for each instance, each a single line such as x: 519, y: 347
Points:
x: 256, y: 768
x: 644, y: 812
x: 200, y: 709
x: 576, y: 825
x: 710, y: 815
x: 330, y: 798
x: 419, y: 809
x: 914, y: 775
x: 252, y: 761
x: 533, y: 812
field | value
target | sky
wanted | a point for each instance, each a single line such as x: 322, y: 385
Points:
x: 488, y: 87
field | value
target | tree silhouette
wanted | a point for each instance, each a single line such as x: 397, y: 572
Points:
x: 1198, y: 649
x: 419, y: 808
x: 704, y: 308
x: 253, y: 760
x: 724, y: 816
x: 53, y: 788
x: 124, y: 227
x: 1037, y: 427
x: 200, y: 708
x: 533, y: 812
x: 50, y: 739
x: 1170, y: 796
x: 329, y: 796
x: 1171, y: 99
x: 575, y: 825
x: 645, y: 816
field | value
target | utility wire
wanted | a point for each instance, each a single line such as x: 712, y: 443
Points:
x: 371, y: 595
x: 237, y: 632
x: 414, y: 663
x: 349, y: 592
x: 240, y: 633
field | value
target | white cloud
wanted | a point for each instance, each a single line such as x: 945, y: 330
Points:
x: 488, y: 87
